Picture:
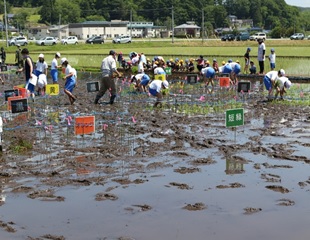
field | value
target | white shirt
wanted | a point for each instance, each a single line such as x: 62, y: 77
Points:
x: 41, y: 66
x: 108, y: 66
x: 281, y: 81
x: 42, y: 81
x: 139, y: 76
x: 54, y: 64
x: 272, y: 58
x: 204, y: 70
x: 69, y: 70
x: 140, y: 67
x: 233, y: 65
x: 156, y: 84
x: 159, y: 70
x: 143, y: 58
x: 273, y: 75
x: 135, y: 60
x: 221, y: 68
x: 260, y: 53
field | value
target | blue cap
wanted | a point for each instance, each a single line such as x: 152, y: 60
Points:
x: 230, y: 61
x: 272, y: 49
x: 249, y: 49
x: 186, y: 60
x: 176, y: 59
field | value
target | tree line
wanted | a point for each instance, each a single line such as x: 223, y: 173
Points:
x: 273, y: 15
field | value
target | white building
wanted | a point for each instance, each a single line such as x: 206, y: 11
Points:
x: 60, y: 32
x: 106, y: 29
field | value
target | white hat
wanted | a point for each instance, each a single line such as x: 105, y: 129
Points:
x: 288, y: 83
x: 165, y: 83
x: 132, y: 77
x: 282, y: 72
x: 41, y: 55
x: 57, y: 54
x: 63, y: 60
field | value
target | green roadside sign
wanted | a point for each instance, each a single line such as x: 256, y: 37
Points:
x: 234, y: 117
x: 168, y: 70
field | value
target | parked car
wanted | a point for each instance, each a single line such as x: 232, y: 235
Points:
x: 70, y: 40
x: 95, y: 39
x: 18, y: 40
x: 46, y: 41
x: 297, y: 36
x: 122, y: 39
x: 228, y: 37
x: 259, y: 35
x: 243, y: 36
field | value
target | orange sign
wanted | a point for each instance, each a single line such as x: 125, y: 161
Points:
x: 22, y: 91
x: 224, y: 81
x: 12, y: 99
x: 84, y: 125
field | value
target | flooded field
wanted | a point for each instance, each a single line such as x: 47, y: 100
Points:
x: 148, y: 174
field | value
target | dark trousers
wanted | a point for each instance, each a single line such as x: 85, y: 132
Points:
x: 107, y: 83
x: 261, y: 67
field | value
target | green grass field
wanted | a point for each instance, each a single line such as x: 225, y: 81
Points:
x: 293, y: 56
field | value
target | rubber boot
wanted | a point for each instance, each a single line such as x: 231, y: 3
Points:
x: 112, y: 98
x: 96, y: 100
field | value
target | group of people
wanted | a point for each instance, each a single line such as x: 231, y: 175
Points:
x: 36, y: 73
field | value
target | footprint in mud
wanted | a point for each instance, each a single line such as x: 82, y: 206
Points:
x: 195, y: 207
x: 182, y: 186
x: 7, y: 227
x: 45, y: 195
x: 48, y: 237
x: 105, y: 196
x: 285, y: 202
x: 184, y: 170
x: 271, y: 177
x: 22, y: 189
x: 276, y: 188
x: 143, y: 207
x: 231, y: 185
x: 267, y: 165
x: 203, y: 161
x: 250, y: 210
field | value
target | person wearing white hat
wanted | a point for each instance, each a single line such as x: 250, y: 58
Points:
x: 70, y: 77
x: 270, y: 79
x: 280, y: 85
x: 54, y: 68
x: 41, y: 66
x: 155, y: 90
x: 272, y: 59
x: 42, y: 82
x: 142, y: 80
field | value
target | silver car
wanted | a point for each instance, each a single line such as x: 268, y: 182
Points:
x: 122, y: 39
x: 18, y: 40
x: 46, y: 41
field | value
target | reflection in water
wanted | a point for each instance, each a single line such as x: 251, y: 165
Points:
x: 234, y: 166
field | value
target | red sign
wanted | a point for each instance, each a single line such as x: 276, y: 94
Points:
x: 84, y: 125
x: 224, y: 82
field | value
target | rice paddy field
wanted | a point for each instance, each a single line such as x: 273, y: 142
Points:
x: 292, y: 56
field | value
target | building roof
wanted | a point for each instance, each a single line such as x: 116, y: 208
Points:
x: 188, y: 26
x: 99, y: 24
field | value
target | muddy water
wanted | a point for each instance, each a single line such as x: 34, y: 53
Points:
x: 174, y: 177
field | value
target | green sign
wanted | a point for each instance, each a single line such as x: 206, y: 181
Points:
x: 168, y: 70
x: 234, y: 117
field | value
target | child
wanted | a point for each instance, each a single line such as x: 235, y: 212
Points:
x: 41, y: 84
x: 247, y: 60
x: 54, y: 67
x: 70, y: 78
x: 252, y: 68
x: 280, y: 85
x: 272, y: 59
x: 41, y: 66
x: 208, y: 76
x: 215, y: 65
x: 155, y: 90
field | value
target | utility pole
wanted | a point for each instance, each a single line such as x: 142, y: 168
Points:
x: 6, y: 25
x: 202, y: 25
x: 59, y: 26
x: 131, y: 22
x: 172, y: 24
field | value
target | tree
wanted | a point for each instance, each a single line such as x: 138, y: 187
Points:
x: 20, y: 19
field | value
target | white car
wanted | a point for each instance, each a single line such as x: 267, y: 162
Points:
x: 122, y: 39
x: 46, y: 41
x: 259, y: 35
x: 70, y: 40
x: 18, y: 40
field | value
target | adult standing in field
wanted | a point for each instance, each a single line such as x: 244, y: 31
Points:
x: 247, y: 60
x: 261, y: 55
x: 18, y: 57
x: 271, y: 78
x: 3, y: 56
x: 41, y: 66
x: 28, y: 69
x: 108, y: 68
x: 54, y: 68
x: 70, y: 77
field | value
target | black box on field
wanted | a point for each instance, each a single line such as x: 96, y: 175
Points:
x: 244, y: 86
x: 10, y: 93
x: 192, y: 78
x: 19, y: 105
x: 224, y: 74
x: 93, y: 87
x: 4, y: 68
